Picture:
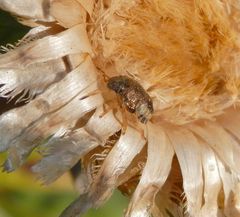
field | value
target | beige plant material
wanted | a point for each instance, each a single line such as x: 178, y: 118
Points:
x: 185, y: 54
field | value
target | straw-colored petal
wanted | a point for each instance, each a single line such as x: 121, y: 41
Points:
x: 71, y: 41
x: 15, y: 121
x: 60, y: 10
x: 170, y: 199
x: 88, y: 5
x: 120, y: 157
x: 102, y: 125
x: 63, y: 153
x: 230, y: 187
x: 231, y: 121
x: 155, y: 173
x: 35, y: 33
x: 33, y: 79
x: 221, y: 142
x: 34, y: 134
x: 212, y: 182
x: 36, y: 10
x: 187, y: 150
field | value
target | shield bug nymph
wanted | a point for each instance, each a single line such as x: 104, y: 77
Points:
x: 135, y: 98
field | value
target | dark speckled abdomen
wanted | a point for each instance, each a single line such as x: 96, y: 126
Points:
x: 135, y: 98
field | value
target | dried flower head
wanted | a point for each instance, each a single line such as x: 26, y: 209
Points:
x: 185, y: 54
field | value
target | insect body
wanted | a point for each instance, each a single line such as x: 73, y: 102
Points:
x: 133, y: 95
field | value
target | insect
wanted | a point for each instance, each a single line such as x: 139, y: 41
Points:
x: 135, y: 98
